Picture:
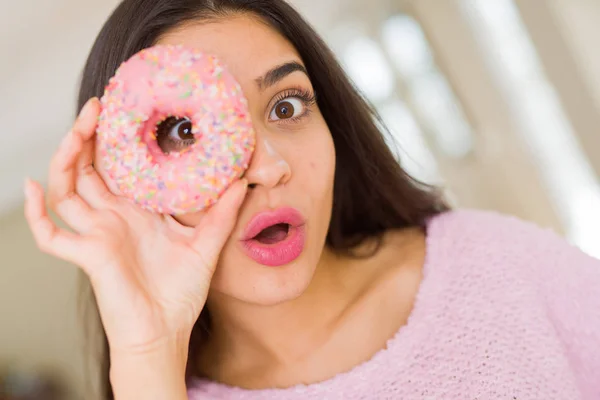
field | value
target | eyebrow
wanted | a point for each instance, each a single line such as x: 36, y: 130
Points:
x: 279, y: 72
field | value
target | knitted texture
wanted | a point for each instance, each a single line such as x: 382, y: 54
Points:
x: 506, y: 310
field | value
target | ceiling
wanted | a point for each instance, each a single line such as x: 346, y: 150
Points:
x: 44, y: 44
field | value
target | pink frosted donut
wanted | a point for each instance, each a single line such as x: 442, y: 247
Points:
x: 174, y: 131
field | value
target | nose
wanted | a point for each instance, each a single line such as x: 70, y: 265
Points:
x: 268, y: 167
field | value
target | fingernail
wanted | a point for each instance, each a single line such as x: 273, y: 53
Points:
x: 86, y: 108
x: 27, y: 187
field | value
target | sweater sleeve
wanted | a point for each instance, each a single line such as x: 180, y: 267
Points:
x: 570, y: 285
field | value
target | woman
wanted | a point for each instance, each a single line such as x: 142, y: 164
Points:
x: 383, y: 293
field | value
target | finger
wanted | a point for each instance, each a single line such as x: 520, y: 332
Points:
x: 62, y: 195
x: 48, y: 237
x: 62, y: 167
x: 90, y: 184
x: 92, y: 188
x: 216, y: 226
x: 86, y: 121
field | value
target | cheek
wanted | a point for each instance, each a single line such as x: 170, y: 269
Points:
x: 317, y: 167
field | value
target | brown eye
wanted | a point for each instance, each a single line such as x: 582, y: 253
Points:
x: 284, y: 110
x: 287, y: 108
x: 174, y: 134
x: 183, y: 130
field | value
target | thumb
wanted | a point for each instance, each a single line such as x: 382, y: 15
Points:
x: 218, y: 222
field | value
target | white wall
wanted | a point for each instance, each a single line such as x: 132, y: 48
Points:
x: 579, y: 24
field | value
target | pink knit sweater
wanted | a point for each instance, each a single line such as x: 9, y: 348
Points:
x: 505, y: 311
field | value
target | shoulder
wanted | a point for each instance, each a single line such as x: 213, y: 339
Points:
x: 507, y: 251
x: 518, y: 265
x: 485, y: 243
x: 471, y: 221
x: 491, y: 232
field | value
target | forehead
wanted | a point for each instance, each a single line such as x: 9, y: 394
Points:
x: 246, y: 45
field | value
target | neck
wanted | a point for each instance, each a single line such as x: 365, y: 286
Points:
x: 285, y: 333
x: 250, y: 342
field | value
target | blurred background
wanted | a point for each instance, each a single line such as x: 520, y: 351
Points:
x: 498, y: 101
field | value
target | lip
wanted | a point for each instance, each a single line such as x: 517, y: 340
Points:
x: 280, y: 253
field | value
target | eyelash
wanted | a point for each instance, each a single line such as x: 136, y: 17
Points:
x: 306, y: 96
x: 163, y: 129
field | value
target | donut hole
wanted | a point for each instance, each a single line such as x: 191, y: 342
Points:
x: 174, y: 134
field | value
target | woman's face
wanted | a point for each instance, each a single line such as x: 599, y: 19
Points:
x: 292, y: 169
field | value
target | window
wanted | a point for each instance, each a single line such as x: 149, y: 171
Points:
x: 568, y: 177
x: 396, y: 71
x: 427, y: 88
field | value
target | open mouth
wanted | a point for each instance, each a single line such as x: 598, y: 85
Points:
x: 273, y: 234
x: 275, y: 238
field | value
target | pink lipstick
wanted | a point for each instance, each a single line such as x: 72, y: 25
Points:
x: 275, y: 238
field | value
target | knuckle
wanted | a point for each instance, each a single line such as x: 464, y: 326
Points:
x: 87, y: 170
x: 44, y: 247
x: 43, y: 242
x: 51, y: 199
x: 43, y: 232
x: 110, y: 216
x: 107, y: 196
x: 56, y: 159
x: 62, y: 204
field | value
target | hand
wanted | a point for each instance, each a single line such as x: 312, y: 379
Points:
x: 149, y: 274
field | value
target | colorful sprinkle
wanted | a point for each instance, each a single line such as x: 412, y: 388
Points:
x: 164, y: 81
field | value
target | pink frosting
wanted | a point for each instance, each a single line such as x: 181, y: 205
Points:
x: 157, y: 83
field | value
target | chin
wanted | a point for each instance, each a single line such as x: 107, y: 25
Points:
x: 274, y: 290
x: 252, y: 283
x: 273, y: 262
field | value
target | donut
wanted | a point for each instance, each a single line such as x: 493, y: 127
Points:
x: 174, y: 131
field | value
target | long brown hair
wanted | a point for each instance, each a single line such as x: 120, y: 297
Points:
x: 372, y: 193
